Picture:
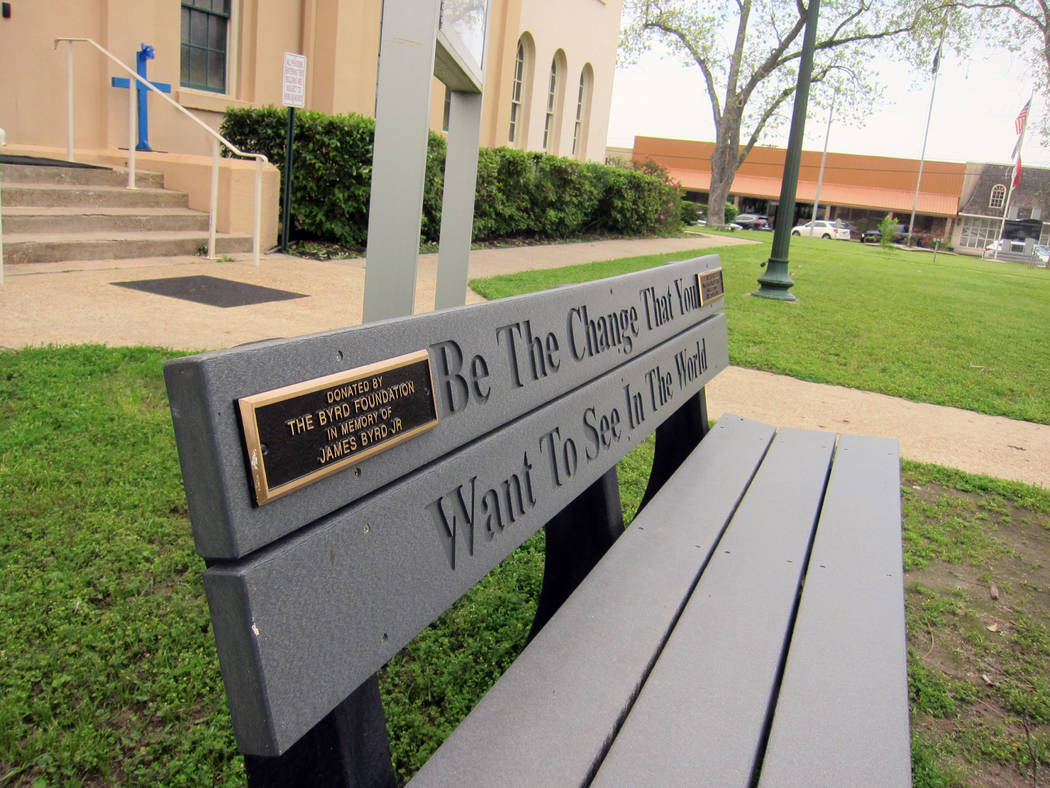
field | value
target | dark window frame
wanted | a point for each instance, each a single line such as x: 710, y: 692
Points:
x: 212, y: 12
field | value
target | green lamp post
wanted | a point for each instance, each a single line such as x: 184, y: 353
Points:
x: 776, y: 281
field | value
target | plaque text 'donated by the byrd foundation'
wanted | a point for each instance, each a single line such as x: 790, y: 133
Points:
x: 300, y: 433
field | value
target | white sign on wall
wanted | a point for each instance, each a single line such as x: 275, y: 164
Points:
x: 293, y: 91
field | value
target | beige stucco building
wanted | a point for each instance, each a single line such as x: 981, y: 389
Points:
x: 548, y: 81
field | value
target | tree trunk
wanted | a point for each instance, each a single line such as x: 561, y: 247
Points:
x: 724, y: 163
x: 716, y: 198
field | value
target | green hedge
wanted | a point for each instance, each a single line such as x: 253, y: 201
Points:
x: 519, y: 194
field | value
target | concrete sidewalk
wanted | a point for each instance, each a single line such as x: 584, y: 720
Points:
x: 74, y: 302
x: 66, y: 303
x: 955, y: 438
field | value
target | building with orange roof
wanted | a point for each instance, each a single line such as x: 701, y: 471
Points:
x: 856, y: 189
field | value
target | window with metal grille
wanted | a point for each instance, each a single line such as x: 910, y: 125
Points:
x: 978, y: 233
x: 204, y: 35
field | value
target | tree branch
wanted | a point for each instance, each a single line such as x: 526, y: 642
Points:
x: 773, y: 23
x: 738, y: 50
x: 773, y: 59
x: 1005, y: 6
x: 766, y: 115
x: 842, y: 24
x: 830, y: 43
x: 700, y: 61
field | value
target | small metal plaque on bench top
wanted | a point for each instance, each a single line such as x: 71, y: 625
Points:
x: 300, y: 433
x: 711, y: 286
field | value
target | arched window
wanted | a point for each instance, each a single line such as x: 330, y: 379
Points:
x: 516, y: 92
x: 555, y: 92
x: 583, y: 112
x: 520, y: 91
x: 552, y: 98
x: 998, y: 196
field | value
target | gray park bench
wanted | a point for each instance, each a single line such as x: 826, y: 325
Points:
x: 346, y: 488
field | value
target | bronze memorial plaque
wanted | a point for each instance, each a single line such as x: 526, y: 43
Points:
x: 300, y: 433
x: 711, y: 286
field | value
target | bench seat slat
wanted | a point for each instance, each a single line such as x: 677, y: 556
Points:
x: 701, y: 715
x: 548, y: 719
x: 842, y: 713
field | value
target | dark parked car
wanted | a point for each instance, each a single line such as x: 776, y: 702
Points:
x: 752, y: 221
x: 874, y: 235
x: 900, y: 235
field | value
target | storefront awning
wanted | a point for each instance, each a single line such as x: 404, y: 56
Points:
x: 873, y: 198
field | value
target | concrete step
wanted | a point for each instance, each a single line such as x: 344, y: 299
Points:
x: 54, y: 214
x: 53, y: 195
x: 78, y: 176
x: 57, y: 247
x: 32, y: 219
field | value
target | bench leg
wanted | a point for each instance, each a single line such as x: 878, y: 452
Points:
x: 577, y: 538
x: 675, y: 439
x: 347, y: 749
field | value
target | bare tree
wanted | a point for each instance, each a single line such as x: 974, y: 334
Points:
x: 747, y: 54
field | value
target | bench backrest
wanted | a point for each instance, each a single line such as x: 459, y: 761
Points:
x: 347, y: 487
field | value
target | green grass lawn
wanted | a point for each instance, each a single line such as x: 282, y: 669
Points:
x: 109, y: 667
x: 959, y: 331
x: 109, y: 673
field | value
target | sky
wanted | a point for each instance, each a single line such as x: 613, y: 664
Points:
x: 974, y: 106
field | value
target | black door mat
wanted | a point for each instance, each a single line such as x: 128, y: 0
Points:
x: 211, y: 290
x: 38, y: 161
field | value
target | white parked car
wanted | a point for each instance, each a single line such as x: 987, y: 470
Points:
x: 1004, y: 245
x: 823, y: 228
x: 1040, y: 252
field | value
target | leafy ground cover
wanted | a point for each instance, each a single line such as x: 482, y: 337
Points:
x: 952, y: 331
x: 108, y: 673
x: 978, y: 602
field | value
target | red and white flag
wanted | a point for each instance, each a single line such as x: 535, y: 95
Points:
x: 1017, y: 174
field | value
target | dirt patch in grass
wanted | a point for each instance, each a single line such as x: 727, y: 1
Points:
x: 978, y: 599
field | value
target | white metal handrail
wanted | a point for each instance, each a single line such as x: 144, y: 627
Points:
x: 216, y: 140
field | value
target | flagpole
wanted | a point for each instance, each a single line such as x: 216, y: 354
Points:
x: 1013, y: 174
x: 925, y: 137
x: 1006, y: 208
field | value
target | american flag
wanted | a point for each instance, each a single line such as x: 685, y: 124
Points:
x: 1022, y: 118
x: 1019, y: 123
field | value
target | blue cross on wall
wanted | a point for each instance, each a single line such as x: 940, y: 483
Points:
x: 144, y: 54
